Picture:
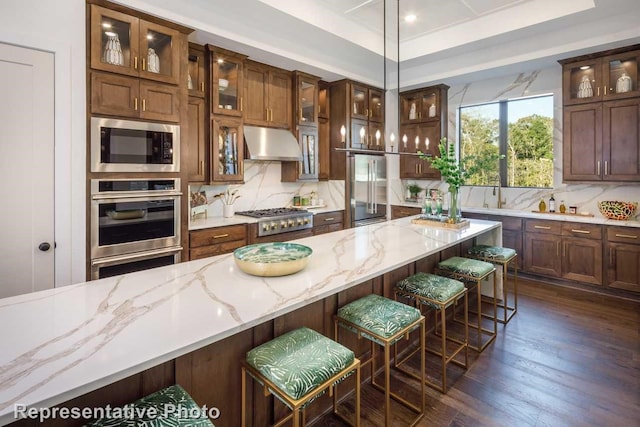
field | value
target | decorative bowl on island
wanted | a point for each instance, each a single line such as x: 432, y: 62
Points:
x: 620, y: 211
x: 272, y: 259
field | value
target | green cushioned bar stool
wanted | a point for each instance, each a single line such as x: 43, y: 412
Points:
x: 473, y: 271
x: 384, y: 322
x: 298, y: 367
x: 501, y: 256
x: 169, y: 407
x: 439, y: 293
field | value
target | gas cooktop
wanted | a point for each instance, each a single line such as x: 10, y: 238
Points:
x: 272, y: 212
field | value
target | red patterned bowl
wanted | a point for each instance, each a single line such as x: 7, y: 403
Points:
x: 621, y: 211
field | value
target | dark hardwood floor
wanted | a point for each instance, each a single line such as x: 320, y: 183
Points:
x: 567, y: 358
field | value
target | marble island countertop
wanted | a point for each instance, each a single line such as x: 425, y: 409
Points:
x: 65, y: 342
x: 597, y: 219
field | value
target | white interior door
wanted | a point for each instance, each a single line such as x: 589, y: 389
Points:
x: 26, y: 170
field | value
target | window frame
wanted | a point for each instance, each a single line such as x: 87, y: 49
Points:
x: 503, y: 135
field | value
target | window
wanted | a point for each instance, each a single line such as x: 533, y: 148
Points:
x: 518, y: 130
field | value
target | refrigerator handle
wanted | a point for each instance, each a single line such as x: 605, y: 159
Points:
x: 368, y: 186
x: 374, y: 183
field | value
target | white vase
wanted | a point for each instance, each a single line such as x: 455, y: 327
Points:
x: 153, y: 62
x: 227, y: 211
x: 623, y: 84
x: 113, y: 51
x: 432, y: 110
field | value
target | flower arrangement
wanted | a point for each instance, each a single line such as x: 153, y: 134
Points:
x: 447, y: 164
x: 228, y: 197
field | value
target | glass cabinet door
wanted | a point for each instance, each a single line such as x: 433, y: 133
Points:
x: 582, y: 82
x: 158, y: 56
x: 359, y: 101
x: 376, y: 105
x: 429, y: 106
x: 620, y: 74
x: 359, y: 134
x: 307, y: 93
x: 197, y: 76
x: 227, y: 152
x: 226, y: 78
x: 410, y: 108
x: 376, y: 136
x: 114, y: 41
x: 308, y: 138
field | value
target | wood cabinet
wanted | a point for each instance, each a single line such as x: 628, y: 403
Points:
x: 423, y: 122
x: 116, y: 95
x: 126, y: 44
x: 360, y: 110
x: 227, y: 149
x: 572, y: 251
x: 404, y: 211
x: 227, y: 81
x: 601, y: 132
x: 328, y: 222
x: 324, y: 131
x: 267, y: 91
x: 623, y: 263
x: 511, y: 232
x: 197, y: 78
x: 195, y: 142
x: 216, y: 241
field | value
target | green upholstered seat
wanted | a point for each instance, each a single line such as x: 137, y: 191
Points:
x: 299, y: 361
x: 379, y: 315
x: 436, y: 288
x: 169, y: 407
x: 497, y: 253
x: 467, y: 266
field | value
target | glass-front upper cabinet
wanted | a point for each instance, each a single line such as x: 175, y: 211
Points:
x: 620, y: 75
x: 376, y: 105
x: 359, y: 134
x: 196, y: 78
x: 227, y: 71
x: 420, y: 106
x: 582, y: 82
x: 308, y: 138
x: 125, y: 44
x: 359, y: 101
x: 306, y: 99
x: 227, y: 150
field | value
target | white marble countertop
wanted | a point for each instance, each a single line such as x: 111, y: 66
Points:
x: 218, y: 221
x: 65, y: 342
x: 597, y: 219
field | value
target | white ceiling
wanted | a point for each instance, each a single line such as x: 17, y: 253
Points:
x: 450, y: 39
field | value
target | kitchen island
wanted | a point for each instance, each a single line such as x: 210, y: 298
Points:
x: 191, y: 323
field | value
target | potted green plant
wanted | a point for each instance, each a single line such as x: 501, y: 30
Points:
x: 414, y: 189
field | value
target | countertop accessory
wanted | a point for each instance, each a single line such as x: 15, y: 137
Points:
x: 438, y: 222
x: 620, y: 211
x: 566, y: 213
x: 272, y: 259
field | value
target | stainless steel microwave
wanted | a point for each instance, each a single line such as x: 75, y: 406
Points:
x: 131, y: 146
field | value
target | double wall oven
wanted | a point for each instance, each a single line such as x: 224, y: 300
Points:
x: 135, y: 222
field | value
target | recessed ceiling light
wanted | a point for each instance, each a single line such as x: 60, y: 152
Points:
x: 220, y: 61
x: 585, y: 67
x: 410, y: 18
x: 106, y: 25
x: 149, y: 36
x: 109, y: 33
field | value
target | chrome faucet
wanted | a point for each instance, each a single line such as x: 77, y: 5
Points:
x: 501, y: 202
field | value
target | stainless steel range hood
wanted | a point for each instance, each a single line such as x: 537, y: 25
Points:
x: 271, y: 144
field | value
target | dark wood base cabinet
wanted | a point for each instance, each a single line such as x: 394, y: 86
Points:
x: 623, y: 266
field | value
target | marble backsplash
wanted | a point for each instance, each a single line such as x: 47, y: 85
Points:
x: 262, y: 189
x: 537, y: 82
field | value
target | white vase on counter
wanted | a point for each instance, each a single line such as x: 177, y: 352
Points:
x: 227, y: 211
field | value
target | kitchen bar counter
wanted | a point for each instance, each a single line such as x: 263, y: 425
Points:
x: 66, y: 342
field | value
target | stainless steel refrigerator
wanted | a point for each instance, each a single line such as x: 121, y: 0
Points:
x: 368, y: 189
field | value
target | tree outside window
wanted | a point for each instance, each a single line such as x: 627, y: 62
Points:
x: 521, y: 130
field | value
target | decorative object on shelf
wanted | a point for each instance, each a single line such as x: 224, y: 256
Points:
x: 542, y: 206
x: 563, y: 208
x: 222, y: 84
x: 620, y: 211
x: 584, y: 89
x: 113, y: 50
x: 552, y: 204
x: 272, y: 259
x: 432, y: 110
x: 153, y: 62
x: 189, y: 82
x: 413, y: 190
x: 228, y: 198
x: 573, y: 209
x: 412, y: 111
x: 624, y: 83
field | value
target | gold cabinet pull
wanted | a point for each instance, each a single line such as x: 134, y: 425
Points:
x: 627, y: 236
x: 605, y: 90
x: 144, y: 104
x: 219, y: 236
x: 606, y: 167
x: 598, y: 168
x: 266, y: 111
x: 598, y: 94
x: 542, y: 227
x: 419, y: 114
x: 135, y: 103
x: 564, y: 249
x: 135, y: 62
x: 558, y: 248
x: 580, y: 231
x: 143, y: 65
x: 366, y: 112
x: 202, y: 86
x: 240, y: 103
x: 201, y: 167
x: 329, y: 219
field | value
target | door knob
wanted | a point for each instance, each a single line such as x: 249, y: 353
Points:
x: 44, y: 246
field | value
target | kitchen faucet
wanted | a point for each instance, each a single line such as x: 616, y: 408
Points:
x: 501, y: 202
